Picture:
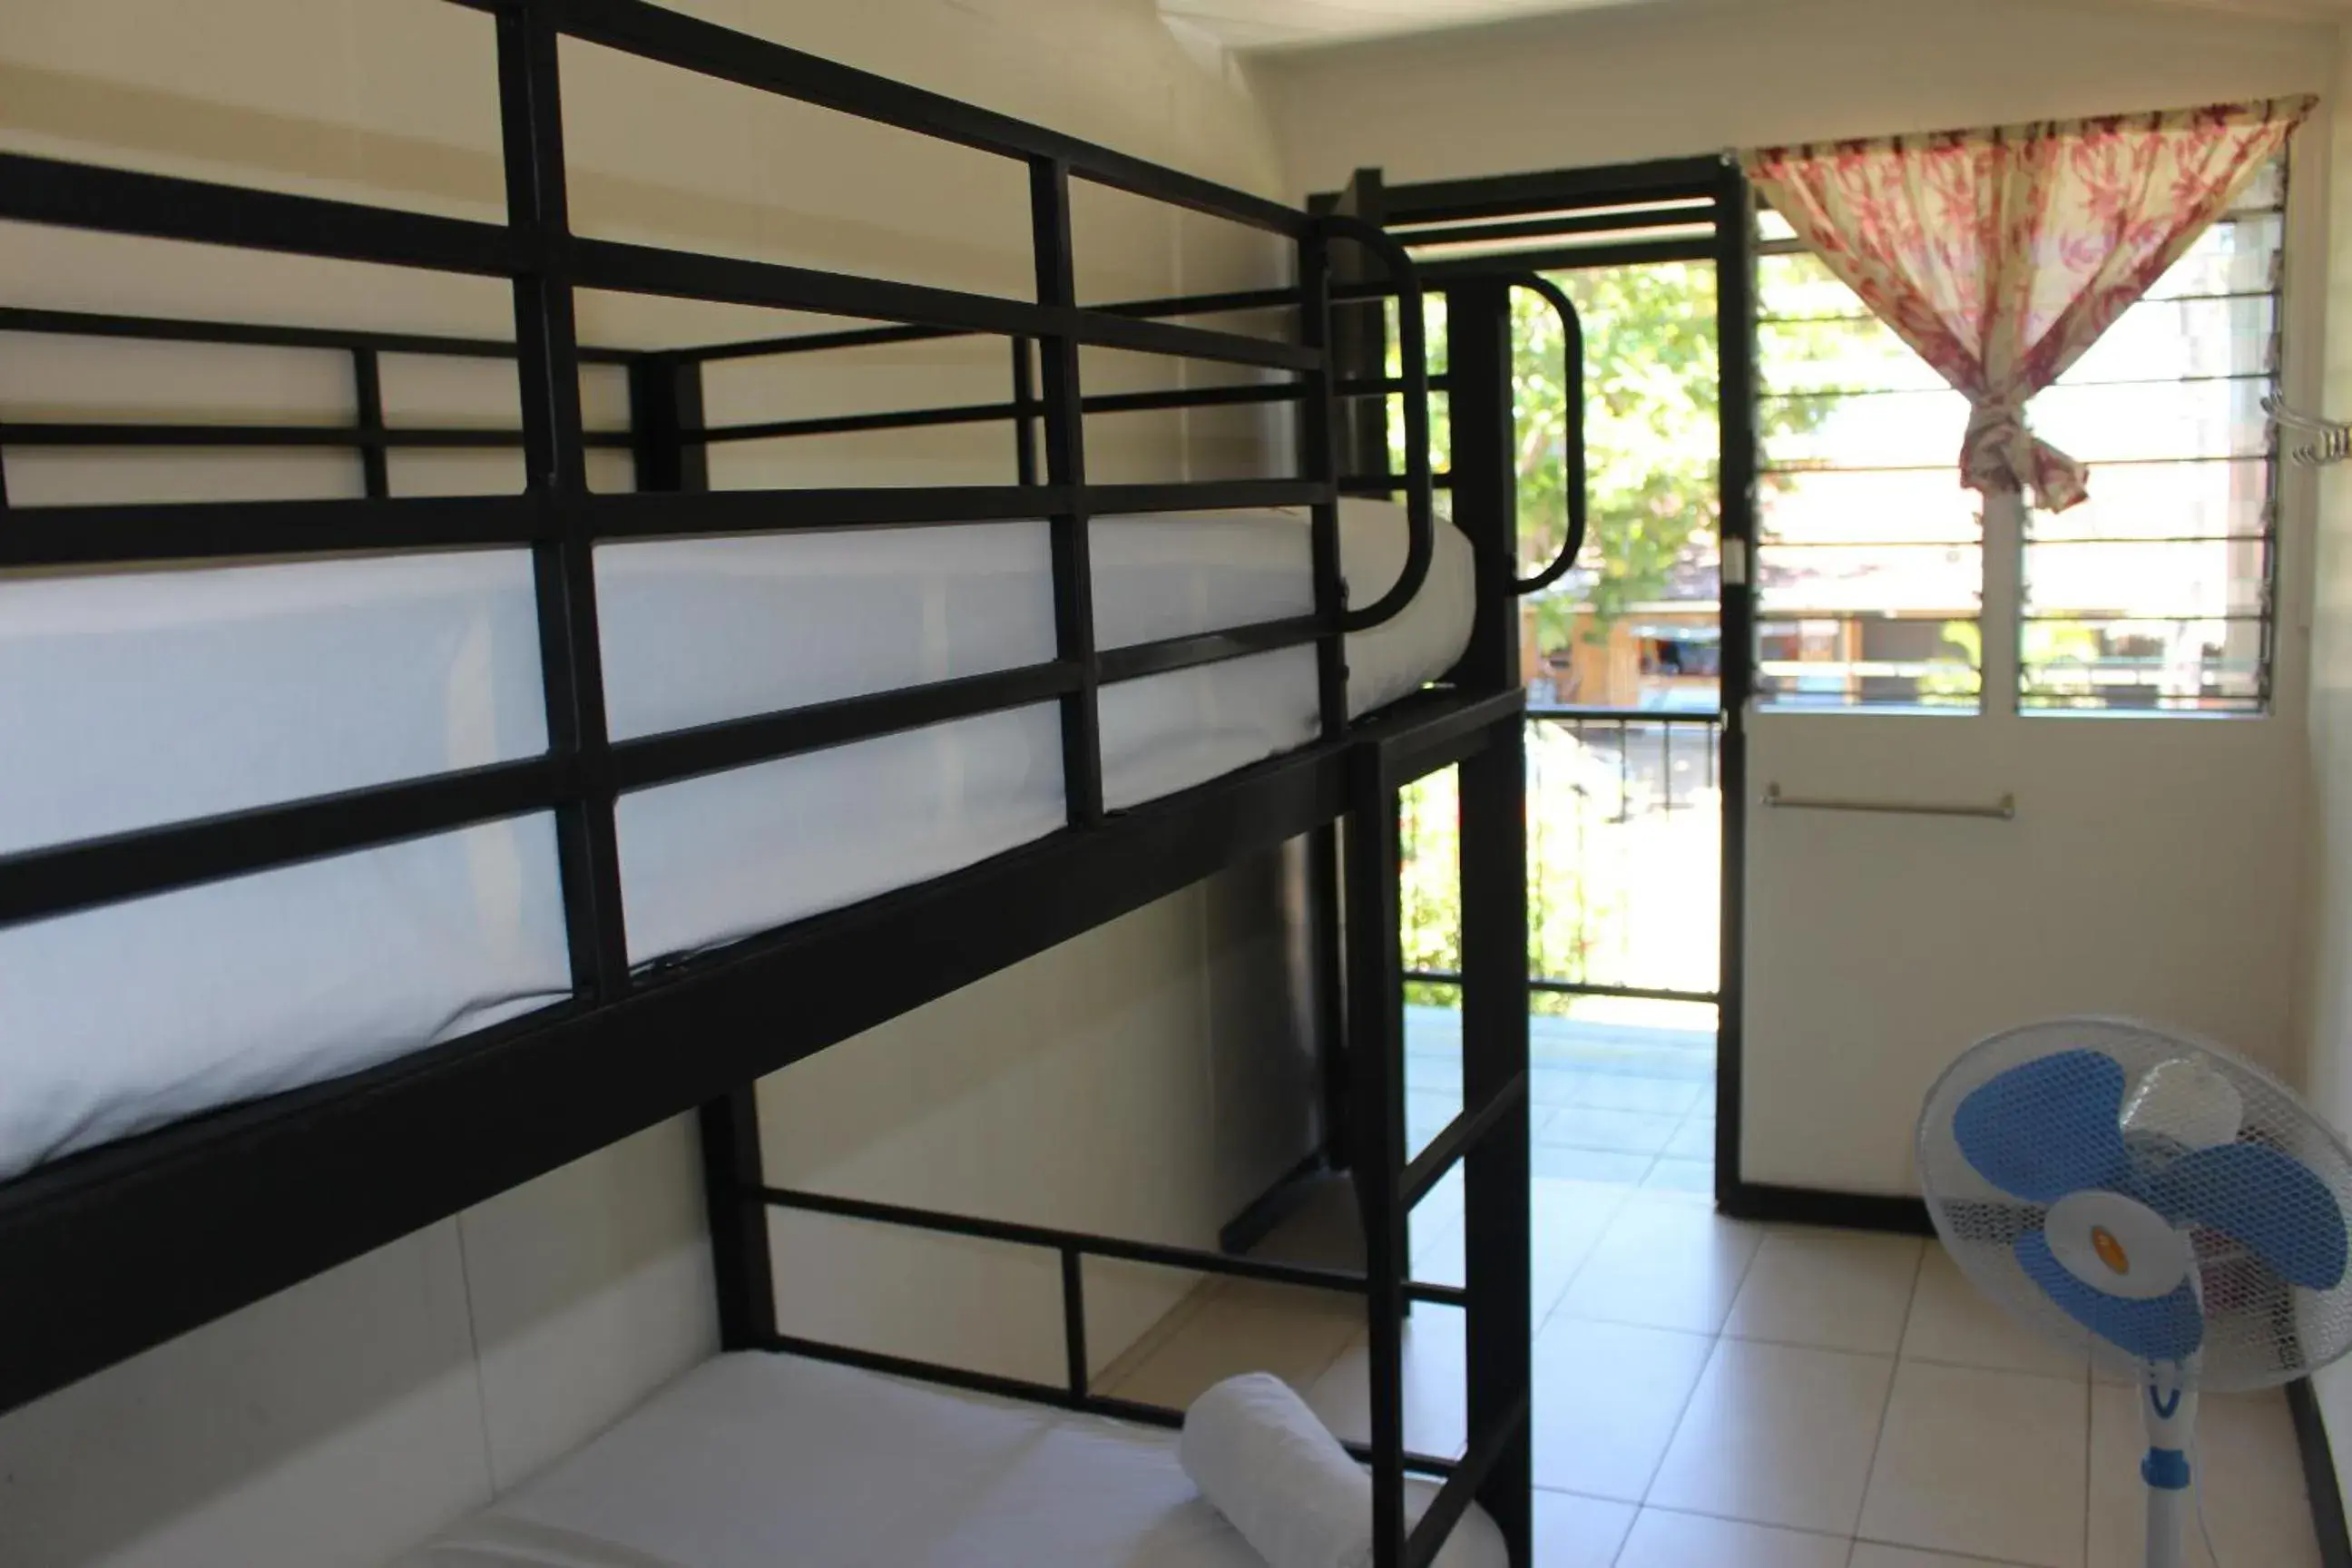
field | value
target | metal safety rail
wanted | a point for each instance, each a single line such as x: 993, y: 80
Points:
x: 236, y: 1204
x: 141, y: 1240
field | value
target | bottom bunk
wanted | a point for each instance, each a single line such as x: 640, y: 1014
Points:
x: 753, y: 1452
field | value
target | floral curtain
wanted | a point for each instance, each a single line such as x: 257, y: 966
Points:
x: 2000, y: 256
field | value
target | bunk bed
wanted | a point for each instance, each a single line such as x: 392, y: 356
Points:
x: 731, y: 880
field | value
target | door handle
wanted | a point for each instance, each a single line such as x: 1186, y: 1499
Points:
x: 2003, y: 810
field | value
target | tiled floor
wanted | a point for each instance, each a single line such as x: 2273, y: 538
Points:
x: 1715, y: 1394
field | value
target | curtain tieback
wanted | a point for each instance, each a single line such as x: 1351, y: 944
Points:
x: 1999, y: 453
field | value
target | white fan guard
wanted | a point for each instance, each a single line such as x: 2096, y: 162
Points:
x: 2260, y: 1330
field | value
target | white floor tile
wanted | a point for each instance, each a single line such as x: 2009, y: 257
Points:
x: 1870, y: 1555
x: 1662, y: 1539
x: 1607, y: 1399
x: 1987, y: 1464
x: 1554, y: 1085
x: 1246, y: 1326
x: 1777, y: 1435
x: 1663, y: 1263
x: 1436, y: 1386
x: 1566, y: 1221
x: 1552, y: 1163
x: 1576, y: 1126
x: 1691, y: 1179
x: 1953, y: 1322
x: 1833, y: 1291
x: 1694, y: 1139
x: 2255, y: 1497
x: 1666, y: 1096
x: 1574, y: 1532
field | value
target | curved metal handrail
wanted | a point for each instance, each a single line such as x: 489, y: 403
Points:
x: 1573, y: 481
x: 1420, y: 516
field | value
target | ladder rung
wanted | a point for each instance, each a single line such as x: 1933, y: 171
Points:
x: 1457, y: 1138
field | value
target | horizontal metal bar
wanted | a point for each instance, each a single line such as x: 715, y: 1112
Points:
x: 1205, y: 495
x: 874, y: 337
x: 2003, y: 810
x: 1577, y: 987
x: 248, y: 1200
x: 1188, y: 1258
x: 1557, y: 190
x: 1453, y: 1500
x: 685, y: 274
x: 1678, y: 212
x: 655, y: 34
x: 1569, y: 258
x: 1409, y: 746
x: 1388, y: 484
x: 39, y: 883
x: 1137, y: 659
x: 1627, y: 716
x: 1456, y: 1138
x: 262, y: 334
x: 982, y: 413
x: 739, y: 742
x: 116, y: 433
x: 650, y: 515
x: 1436, y: 1295
x: 1052, y: 1393
x: 162, y: 206
x: 101, y: 535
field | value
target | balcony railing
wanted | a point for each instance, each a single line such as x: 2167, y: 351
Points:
x: 1625, y: 854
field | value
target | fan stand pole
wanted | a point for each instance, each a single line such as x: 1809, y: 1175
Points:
x: 2169, y: 1408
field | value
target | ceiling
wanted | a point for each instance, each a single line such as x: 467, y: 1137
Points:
x: 1303, y: 24
x: 1298, y: 23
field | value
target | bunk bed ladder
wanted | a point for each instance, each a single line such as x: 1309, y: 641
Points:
x: 1489, y: 1137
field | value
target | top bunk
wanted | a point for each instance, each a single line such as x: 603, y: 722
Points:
x: 364, y: 854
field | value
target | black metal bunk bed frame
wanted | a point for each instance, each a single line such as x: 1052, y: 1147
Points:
x: 116, y: 1250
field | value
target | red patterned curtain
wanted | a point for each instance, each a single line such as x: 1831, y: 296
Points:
x: 2000, y: 256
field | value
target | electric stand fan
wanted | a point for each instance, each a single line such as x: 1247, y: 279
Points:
x: 2175, y: 1201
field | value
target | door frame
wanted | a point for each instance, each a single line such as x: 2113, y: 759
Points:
x: 1671, y: 209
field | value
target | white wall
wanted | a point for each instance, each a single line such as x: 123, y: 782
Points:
x: 1672, y: 78
x: 1147, y: 1078
x: 2326, y: 951
x: 2153, y: 867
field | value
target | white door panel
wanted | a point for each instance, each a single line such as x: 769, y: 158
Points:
x: 2150, y: 870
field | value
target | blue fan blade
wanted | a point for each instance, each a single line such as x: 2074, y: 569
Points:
x: 2048, y: 1127
x: 2267, y: 1200
x: 2169, y: 1327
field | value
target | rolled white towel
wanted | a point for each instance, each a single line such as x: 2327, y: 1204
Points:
x: 1265, y: 1462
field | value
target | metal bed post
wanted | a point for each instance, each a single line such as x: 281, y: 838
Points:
x: 1066, y: 467
x: 1493, y: 806
x: 1354, y: 441
x: 1319, y: 459
x: 1376, y: 1049
x: 666, y: 422
x: 530, y: 114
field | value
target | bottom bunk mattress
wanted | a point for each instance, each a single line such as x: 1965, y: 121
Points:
x: 755, y: 1460
x: 138, y: 698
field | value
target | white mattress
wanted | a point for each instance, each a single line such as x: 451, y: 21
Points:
x: 132, y: 699
x: 771, y: 1462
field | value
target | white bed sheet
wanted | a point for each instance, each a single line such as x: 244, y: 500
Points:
x: 128, y: 699
x: 773, y: 1461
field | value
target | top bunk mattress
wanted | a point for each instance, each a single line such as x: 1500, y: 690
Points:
x: 755, y: 1460
x: 138, y: 698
